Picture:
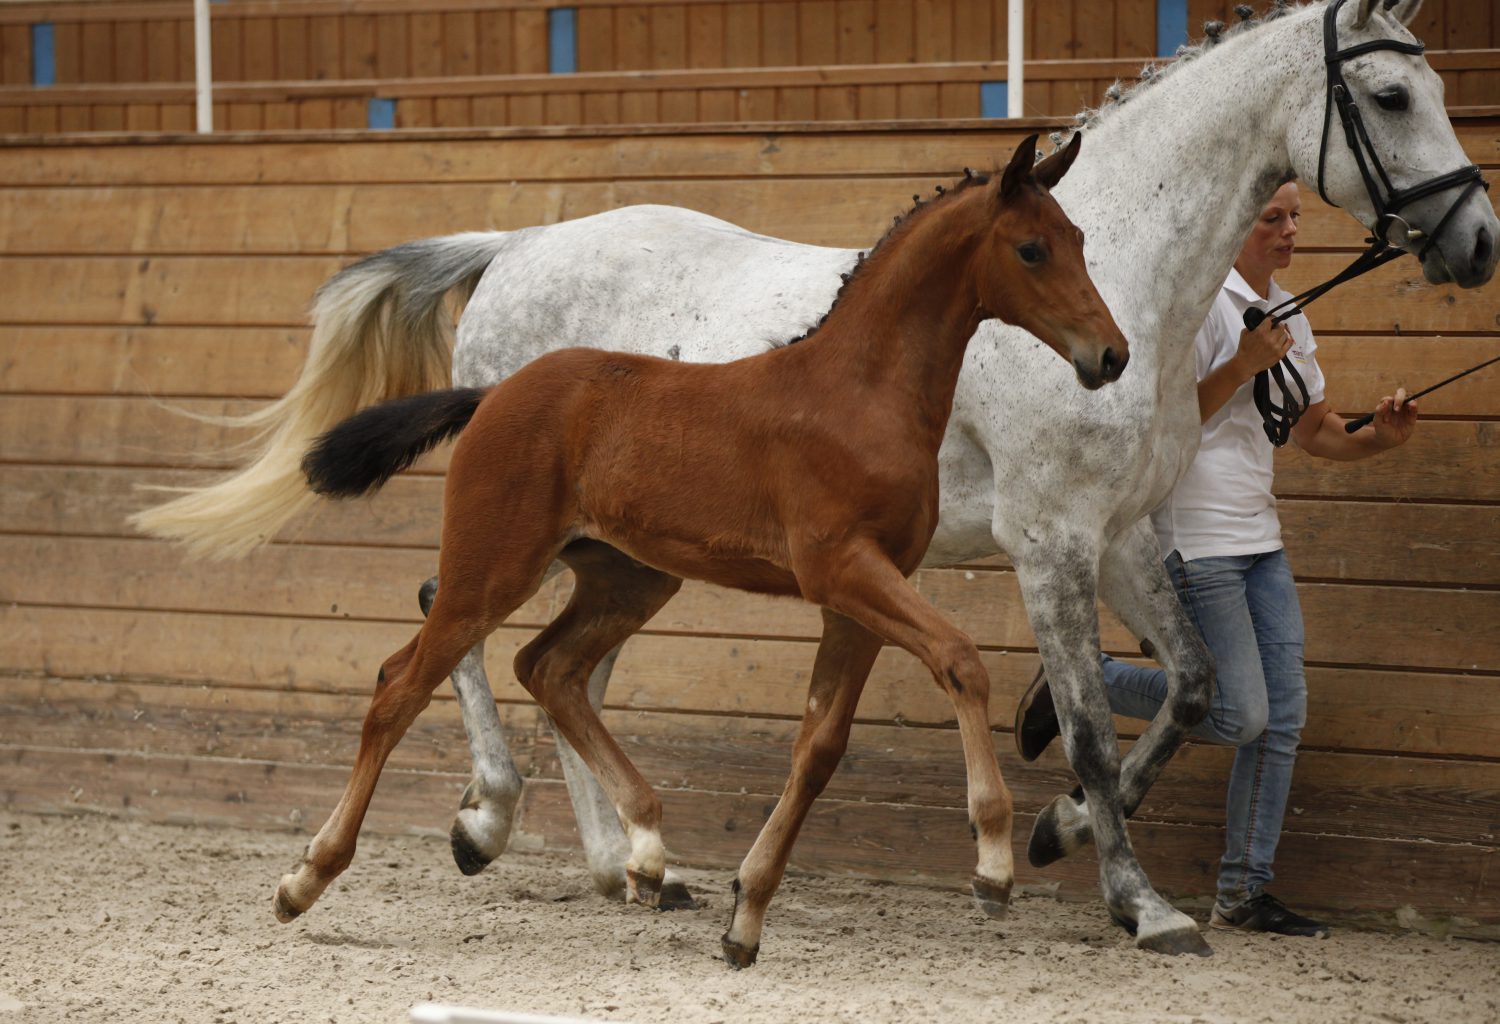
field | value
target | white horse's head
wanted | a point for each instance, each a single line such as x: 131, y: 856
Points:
x: 1399, y: 100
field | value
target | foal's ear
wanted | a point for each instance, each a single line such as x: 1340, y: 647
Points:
x: 1021, y: 170
x: 1050, y: 171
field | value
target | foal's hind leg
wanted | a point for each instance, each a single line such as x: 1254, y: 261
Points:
x: 845, y: 655
x: 403, y: 689
x: 614, y: 596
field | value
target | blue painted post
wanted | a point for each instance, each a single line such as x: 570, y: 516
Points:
x: 1171, y: 26
x: 562, y: 38
x: 994, y: 99
x: 381, y: 115
x: 43, y: 55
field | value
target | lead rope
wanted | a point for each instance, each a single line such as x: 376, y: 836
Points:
x: 1278, y: 420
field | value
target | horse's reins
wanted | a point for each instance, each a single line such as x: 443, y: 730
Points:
x: 1278, y: 420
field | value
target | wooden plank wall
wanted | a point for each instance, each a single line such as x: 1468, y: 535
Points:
x: 151, y: 275
x: 293, y: 40
x: 833, y: 93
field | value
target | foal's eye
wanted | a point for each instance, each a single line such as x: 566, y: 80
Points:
x: 1393, y: 97
x: 1031, y: 253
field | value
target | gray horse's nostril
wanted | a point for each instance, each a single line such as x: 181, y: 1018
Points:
x: 1484, y: 248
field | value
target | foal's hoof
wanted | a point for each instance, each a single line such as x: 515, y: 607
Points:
x: 991, y: 897
x: 737, y: 956
x: 642, y: 889
x: 466, y: 853
x: 675, y: 896
x: 1055, y: 833
x: 282, y: 906
x: 1176, y: 942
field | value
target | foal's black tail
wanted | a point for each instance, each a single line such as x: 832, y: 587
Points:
x: 360, y: 454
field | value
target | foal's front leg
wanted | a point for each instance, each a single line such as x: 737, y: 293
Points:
x: 867, y: 587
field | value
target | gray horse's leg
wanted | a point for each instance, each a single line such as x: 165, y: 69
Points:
x: 1134, y: 583
x: 488, y: 807
x: 604, y: 842
x: 1059, y: 581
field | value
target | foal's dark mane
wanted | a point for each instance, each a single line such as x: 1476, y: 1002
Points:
x: 1214, y: 33
x: 899, y: 226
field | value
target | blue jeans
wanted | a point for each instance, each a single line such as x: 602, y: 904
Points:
x: 1246, y: 608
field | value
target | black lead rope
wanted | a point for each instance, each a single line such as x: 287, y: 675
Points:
x: 1278, y: 420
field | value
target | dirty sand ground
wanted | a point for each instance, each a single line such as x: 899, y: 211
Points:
x: 105, y: 920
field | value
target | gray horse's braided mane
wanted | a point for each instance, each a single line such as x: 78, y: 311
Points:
x: 1118, y: 94
x: 1214, y: 33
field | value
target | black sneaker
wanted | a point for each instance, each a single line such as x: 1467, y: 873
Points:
x: 1036, y: 719
x: 1265, y: 913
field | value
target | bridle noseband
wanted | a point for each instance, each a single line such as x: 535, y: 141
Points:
x: 1385, y: 198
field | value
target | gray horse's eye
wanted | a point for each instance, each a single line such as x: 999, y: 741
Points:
x: 1393, y: 97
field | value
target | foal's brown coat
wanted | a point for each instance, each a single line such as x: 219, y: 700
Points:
x: 808, y: 471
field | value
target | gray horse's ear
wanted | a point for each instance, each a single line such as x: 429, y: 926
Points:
x: 1404, y: 11
x: 1021, y: 169
x: 1362, y: 11
x: 1050, y: 171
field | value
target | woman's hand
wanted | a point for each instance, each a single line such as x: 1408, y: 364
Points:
x: 1395, y: 418
x: 1262, y: 348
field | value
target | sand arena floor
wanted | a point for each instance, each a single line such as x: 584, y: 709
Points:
x: 104, y: 920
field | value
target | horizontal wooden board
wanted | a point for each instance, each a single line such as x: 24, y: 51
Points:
x: 1444, y: 461
x: 276, y: 291
x: 235, y: 362
x: 900, y: 843
x: 1346, y: 624
x: 1356, y: 540
x: 1371, y: 795
x: 601, y: 152
x: 308, y: 219
x: 229, y: 290
x: 1360, y: 709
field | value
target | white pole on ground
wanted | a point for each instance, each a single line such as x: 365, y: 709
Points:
x: 1015, y: 71
x: 203, y: 66
x: 437, y: 1013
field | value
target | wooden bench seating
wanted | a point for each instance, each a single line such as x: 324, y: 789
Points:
x: 833, y: 93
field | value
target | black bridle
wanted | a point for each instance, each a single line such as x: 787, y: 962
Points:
x: 1387, y: 201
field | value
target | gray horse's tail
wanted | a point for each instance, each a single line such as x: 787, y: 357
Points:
x: 381, y: 330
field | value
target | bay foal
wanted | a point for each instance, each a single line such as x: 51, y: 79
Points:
x: 809, y: 471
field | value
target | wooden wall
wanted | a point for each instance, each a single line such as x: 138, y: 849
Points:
x: 293, y: 40
x: 143, y: 276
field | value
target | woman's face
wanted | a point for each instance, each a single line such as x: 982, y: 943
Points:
x: 1274, y: 236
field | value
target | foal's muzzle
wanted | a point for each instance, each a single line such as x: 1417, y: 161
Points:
x: 1094, y: 374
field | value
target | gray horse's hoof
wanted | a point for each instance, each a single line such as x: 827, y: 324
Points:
x: 466, y: 854
x: 991, y: 898
x: 737, y: 956
x: 675, y: 896
x: 1176, y: 942
x: 1054, y: 834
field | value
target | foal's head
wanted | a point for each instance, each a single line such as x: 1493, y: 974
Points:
x: 1030, y: 270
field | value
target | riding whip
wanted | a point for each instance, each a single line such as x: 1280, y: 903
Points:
x: 1369, y: 417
